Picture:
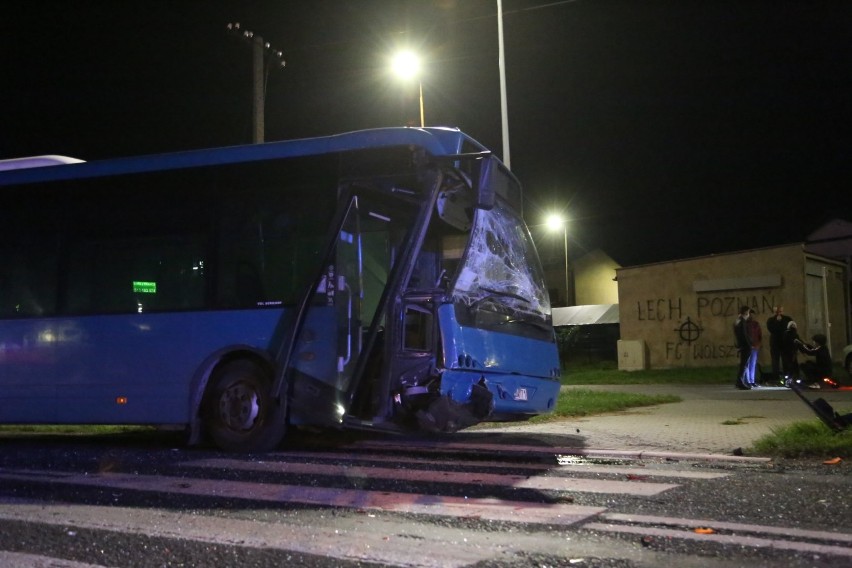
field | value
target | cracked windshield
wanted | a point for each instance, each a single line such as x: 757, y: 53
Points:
x: 501, y: 280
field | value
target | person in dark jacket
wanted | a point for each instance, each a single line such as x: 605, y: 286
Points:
x: 821, y: 367
x: 743, y: 347
x: 790, y: 351
x: 776, y: 325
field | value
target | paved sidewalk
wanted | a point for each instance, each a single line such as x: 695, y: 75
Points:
x: 693, y: 426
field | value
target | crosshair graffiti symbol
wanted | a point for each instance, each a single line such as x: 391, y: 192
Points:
x: 689, y: 331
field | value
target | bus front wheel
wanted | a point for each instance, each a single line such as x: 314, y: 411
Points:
x: 240, y: 414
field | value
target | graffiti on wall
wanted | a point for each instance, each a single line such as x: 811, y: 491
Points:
x: 696, y: 333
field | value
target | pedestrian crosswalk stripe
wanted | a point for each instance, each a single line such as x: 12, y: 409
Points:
x: 541, y: 483
x: 568, y: 467
x: 723, y: 539
x: 723, y: 525
x: 386, y: 501
x: 499, y: 449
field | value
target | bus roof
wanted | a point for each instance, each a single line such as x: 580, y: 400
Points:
x: 438, y: 141
x: 36, y: 162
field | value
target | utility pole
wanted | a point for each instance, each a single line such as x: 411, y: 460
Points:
x: 258, y: 100
x: 263, y: 57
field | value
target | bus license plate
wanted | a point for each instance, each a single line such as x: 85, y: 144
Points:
x: 521, y: 393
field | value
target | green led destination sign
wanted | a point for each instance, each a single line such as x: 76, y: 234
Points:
x: 144, y: 287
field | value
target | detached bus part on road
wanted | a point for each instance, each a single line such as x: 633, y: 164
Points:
x: 375, y: 279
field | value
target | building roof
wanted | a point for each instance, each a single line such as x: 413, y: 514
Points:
x: 585, y: 315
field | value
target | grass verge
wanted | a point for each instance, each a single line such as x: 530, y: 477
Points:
x: 811, y: 439
x: 607, y: 373
x: 71, y: 429
x: 808, y: 439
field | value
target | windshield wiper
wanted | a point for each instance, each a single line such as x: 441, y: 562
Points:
x: 500, y: 293
x: 535, y: 324
x: 496, y: 294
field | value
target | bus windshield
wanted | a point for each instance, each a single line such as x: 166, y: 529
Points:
x: 500, y: 281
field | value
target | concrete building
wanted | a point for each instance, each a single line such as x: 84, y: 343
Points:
x: 594, y: 279
x: 590, y: 278
x: 681, y: 313
x: 833, y: 240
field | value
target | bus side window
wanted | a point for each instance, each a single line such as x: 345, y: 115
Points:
x: 27, y: 280
x: 417, y: 335
x: 20, y: 296
x: 135, y: 275
x: 248, y: 285
x: 241, y: 255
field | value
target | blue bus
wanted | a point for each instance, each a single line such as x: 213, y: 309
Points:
x: 374, y: 279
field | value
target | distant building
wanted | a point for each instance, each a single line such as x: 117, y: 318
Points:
x: 594, y: 279
x: 591, y: 279
x: 681, y: 313
x: 833, y: 240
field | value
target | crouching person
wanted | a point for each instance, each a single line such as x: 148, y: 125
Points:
x: 820, y: 367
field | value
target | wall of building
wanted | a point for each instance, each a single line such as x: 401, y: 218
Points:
x: 594, y: 279
x: 684, y: 310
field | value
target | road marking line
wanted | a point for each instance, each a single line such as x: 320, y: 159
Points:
x: 784, y: 531
x: 497, y: 449
x: 415, y: 503
x: 455, y: 477
x: 579, y: 467
x: 750, y: 541
x: 24, y: 560
x: 374, y: 540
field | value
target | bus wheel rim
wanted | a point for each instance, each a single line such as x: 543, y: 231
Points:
x: 239, y: 407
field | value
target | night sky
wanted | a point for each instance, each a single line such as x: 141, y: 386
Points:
x: 665, y: 129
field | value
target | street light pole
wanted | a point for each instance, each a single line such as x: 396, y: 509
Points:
x: 504, y: 111
x: 565, y: 243
x: 553, y: 222
x: 422, y: 116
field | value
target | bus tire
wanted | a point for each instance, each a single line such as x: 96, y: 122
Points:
x: 240, y: 414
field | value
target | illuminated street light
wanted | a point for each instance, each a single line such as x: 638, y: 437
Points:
x: 554, y: 222
x: 407, y: 65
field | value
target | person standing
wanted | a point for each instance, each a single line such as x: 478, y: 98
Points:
x: 743, y: 347
x: 755, y: 340
x: 776, y: 325
x: 789, y: 352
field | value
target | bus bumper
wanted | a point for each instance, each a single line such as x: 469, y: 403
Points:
x: 513, y: 397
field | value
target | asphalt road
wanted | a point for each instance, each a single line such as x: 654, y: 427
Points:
x: 475, y: 499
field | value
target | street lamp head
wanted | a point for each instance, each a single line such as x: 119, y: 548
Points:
x: 406, y: 64
x: 555, y: 222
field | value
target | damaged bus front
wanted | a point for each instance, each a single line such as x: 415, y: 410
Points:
x: 439, y: 300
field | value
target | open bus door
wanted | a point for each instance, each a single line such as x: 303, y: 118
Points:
x: 364, y: 346
x: 319, y: 353
x: 334, y: 360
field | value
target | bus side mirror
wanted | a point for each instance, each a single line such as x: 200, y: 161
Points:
x: 495, y: 179
x: 486, y: 182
